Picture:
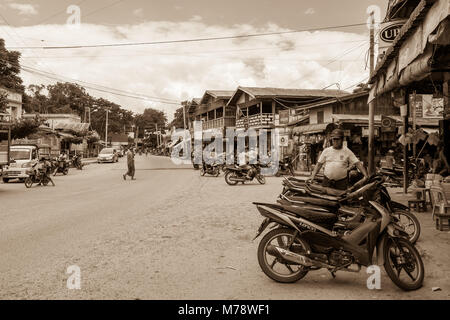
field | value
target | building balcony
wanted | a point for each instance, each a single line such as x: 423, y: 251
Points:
x: 257, y: 120
x: 219, y: 123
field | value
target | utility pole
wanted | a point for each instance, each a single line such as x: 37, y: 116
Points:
x: 371, y: 150
x: 157, y: 136
x: 106, y: 129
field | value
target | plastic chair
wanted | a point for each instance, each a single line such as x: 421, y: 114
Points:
x: 441, y: 202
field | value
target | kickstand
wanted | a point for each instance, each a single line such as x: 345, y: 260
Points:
x: 333, y: 274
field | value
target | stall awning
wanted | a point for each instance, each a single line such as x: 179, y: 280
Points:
x: 310, y: 128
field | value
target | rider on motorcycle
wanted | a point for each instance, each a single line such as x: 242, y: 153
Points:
x: 43, y: 169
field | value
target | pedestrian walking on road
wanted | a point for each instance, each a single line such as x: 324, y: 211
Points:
x: 130, y: 162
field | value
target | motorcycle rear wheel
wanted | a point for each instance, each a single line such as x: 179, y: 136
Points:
x: 261, y: 179
x: 66, y: 171
x: 28, y: 182
x: 275, y: 237
x: 410, y: 261
x: 409, y: 221
x: 228, y: 175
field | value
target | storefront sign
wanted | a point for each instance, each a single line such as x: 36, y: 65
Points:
x: 426, y: 106
x: 388, y: 32
x: 284, y: 116
x: 284, y: 140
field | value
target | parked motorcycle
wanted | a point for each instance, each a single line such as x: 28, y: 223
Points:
x: 212, y: 169
x: 39, y: 176
x: 285, y: 166
x: 304, y: 241
x: 62, y: 167
x: 235, y: 174
x: 301, y: 193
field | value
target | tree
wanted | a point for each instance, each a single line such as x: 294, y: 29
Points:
x: 3, y: 102
x: 149, y: 118
x: 178, y: 120
x: 10, y: 69
x: 23, y: 128
x: 34, y: 100
x: 67, y: 98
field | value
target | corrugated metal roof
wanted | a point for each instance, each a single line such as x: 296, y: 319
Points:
x: 260, y: 92
x: 295, y: 93
x: 76, y: 127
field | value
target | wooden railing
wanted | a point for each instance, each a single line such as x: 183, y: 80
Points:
x: 257, y: 120
x: 219, y: 123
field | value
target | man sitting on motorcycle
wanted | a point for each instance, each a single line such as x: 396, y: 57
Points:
x: 245, y: 157
x: 337, y: 160
x: 43, y: 169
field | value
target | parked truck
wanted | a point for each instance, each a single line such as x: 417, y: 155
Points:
x: 23, y: 156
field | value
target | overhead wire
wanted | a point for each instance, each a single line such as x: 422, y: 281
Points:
x: 191, y: 40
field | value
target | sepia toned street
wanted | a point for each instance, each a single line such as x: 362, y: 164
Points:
x: 170, y: 234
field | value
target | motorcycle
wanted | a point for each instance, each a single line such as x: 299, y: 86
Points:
x: 76, y: 162
x: 62, y: 167
x: 285, y: 166
x: 303, y: 241
x: 303, y: 193
x: 39, y: 176
x: 235, y: 174
x: 212, y: 169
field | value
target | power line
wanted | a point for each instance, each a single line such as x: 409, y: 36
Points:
x: 102, y: 86
x: 192, y: 40
x: 111, y: 90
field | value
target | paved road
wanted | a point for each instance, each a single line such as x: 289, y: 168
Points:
x: 170, y: 234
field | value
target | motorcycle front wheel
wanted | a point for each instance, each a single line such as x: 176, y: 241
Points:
x: 28, y: 182
x: 261, y: 179
x: 202, y: 172
x: 228, y: 175
x: 410, y: 223
x: 281, y: 271
x: 403, y: 264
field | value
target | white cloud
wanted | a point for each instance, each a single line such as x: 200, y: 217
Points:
x: 24, y: 9
x: 310, y: 11
x: 138, y: 12
x: 178, y: 70
x: 196, y: 18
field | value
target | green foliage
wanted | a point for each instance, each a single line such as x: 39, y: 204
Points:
x: 10, y: 69
x: 178, y: 120
x: 149, y: 119
x: 24, y: 128
x: 3, y: 102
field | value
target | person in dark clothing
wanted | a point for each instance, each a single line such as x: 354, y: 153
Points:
x: 130, y: 163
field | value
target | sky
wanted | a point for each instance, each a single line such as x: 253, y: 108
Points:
x: 308, y: 58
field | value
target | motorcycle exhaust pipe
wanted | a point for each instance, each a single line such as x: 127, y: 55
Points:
x: 290, y: 256
x: 236, y: 179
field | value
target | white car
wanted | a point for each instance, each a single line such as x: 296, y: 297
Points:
x: 107, y: 155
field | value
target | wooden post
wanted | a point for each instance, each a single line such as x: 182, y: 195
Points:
x: 260, y: 113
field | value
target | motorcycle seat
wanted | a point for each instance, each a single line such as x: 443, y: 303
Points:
x: 315, y: 201
x: 326, y: 190
x: 327, y: 218
x: 306, y: 206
